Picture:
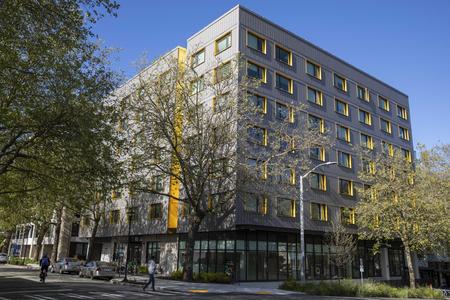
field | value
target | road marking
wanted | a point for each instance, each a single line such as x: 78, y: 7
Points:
x: 40, y: 297
x: 198, y: 291
x: 76, y: 296
x: 3, y: 298
x: 102, y: 294
x: 37, y: 291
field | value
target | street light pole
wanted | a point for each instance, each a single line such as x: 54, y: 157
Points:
x: 129, y: 215
x: 302, y: 221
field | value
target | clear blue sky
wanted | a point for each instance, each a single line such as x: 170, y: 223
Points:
x: 405, y: 43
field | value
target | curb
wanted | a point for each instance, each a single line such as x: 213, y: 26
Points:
x: 201, y: 291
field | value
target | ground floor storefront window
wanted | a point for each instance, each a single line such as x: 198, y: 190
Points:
x: 261, y: 255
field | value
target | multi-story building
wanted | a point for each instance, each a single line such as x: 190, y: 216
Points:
x: 356, y: 108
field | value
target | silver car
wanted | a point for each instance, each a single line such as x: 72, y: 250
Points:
x: 3, y: 258
x: 98, y: 269
x: 66, y: 265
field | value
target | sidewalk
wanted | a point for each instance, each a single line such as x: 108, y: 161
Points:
x: 267, y: 287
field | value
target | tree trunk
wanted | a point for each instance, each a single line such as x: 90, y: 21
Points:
x: 189, y: 251
x: 6, y: 242
x: 56, y: 236
x: 412, y: 278
x: 92, y: 240
x: 40, y: 237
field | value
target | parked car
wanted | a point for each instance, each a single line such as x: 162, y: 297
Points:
x: 66, y: 265
x: 3, y: 258
x: 98, y: 269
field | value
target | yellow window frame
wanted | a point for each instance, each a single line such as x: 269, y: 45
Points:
x: 264, y: 50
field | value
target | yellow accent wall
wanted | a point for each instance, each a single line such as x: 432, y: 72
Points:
x: 174, y: 183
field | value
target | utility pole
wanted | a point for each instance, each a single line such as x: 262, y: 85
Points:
x: 129, y: 216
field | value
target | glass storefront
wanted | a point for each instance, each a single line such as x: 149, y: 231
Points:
x: 261, y: 255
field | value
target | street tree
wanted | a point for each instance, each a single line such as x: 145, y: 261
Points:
x: 343, y: 246
x: 52, y: 74
x: 407, y: 201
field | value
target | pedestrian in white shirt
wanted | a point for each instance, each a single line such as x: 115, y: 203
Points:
x: 151, y: 273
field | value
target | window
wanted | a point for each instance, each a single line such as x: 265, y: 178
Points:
x: 197, y: 85
x: 223, y: 43
x: 317, y: 153
x: 114, y: 216
x: 256, y: 71
x: 257, y: 166
x: 387, y: 148
x: 385, y: 125
x: 255, y: 42
x: 365, y: 117
x: 132, y: 214
x: 283, y: 55
x: 198, y: 58
x: 348, y: 216
x: 407, y: 154
x: 316, y: 123
x: 403, y: 133
x: 314, y: 96
x: 220, y: 102
x: 223, y: 72
x: 259, y: 102
x: 287, y: 176
x: 383, y: 103
x: 116, y: 195
x: 343, y: 133
x: 282, y: 111
x: 157, y: 183
x: 341, y: 107
x: 402, y: 112
x: 368, y: 166
x: 340, y: 82
x: 363, y: 93
x: 319, y: 212
x: 283, y: 83
x: 366, y: 141
x: 255, y: 203
x: 257, y: 135
x: 285, y: 207
x: 313, y: 69
x: 155, y: 211
x: 345, y: 187
x: 318, y: 181
x: 344, y: 159
x: 153, y: 250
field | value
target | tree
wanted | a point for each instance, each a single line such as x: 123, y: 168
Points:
x: 342, y: 244
x: 52, y: 73
x: 406, y: 201
x: 195, y: 132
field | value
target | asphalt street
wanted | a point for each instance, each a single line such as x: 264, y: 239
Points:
x: 17, y: 283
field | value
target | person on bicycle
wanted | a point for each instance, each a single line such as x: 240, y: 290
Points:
x: 44, y: 263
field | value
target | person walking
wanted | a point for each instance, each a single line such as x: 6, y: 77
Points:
x: 151, y: 273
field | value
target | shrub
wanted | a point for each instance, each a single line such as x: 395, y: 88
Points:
x: 177, y: 275
x: 216, y: 277
x: 352, y: 289
x: 143, y: 269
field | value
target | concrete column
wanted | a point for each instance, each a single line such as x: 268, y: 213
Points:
x: 65, y: 233
x: 384, y: 260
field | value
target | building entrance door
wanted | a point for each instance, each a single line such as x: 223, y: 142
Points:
x: 135, y: 253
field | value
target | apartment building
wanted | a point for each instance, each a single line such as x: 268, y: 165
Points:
x: 263, y: 244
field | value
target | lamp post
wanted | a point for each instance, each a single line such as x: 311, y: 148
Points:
x: 129, y: 216
x: 302, y: 225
